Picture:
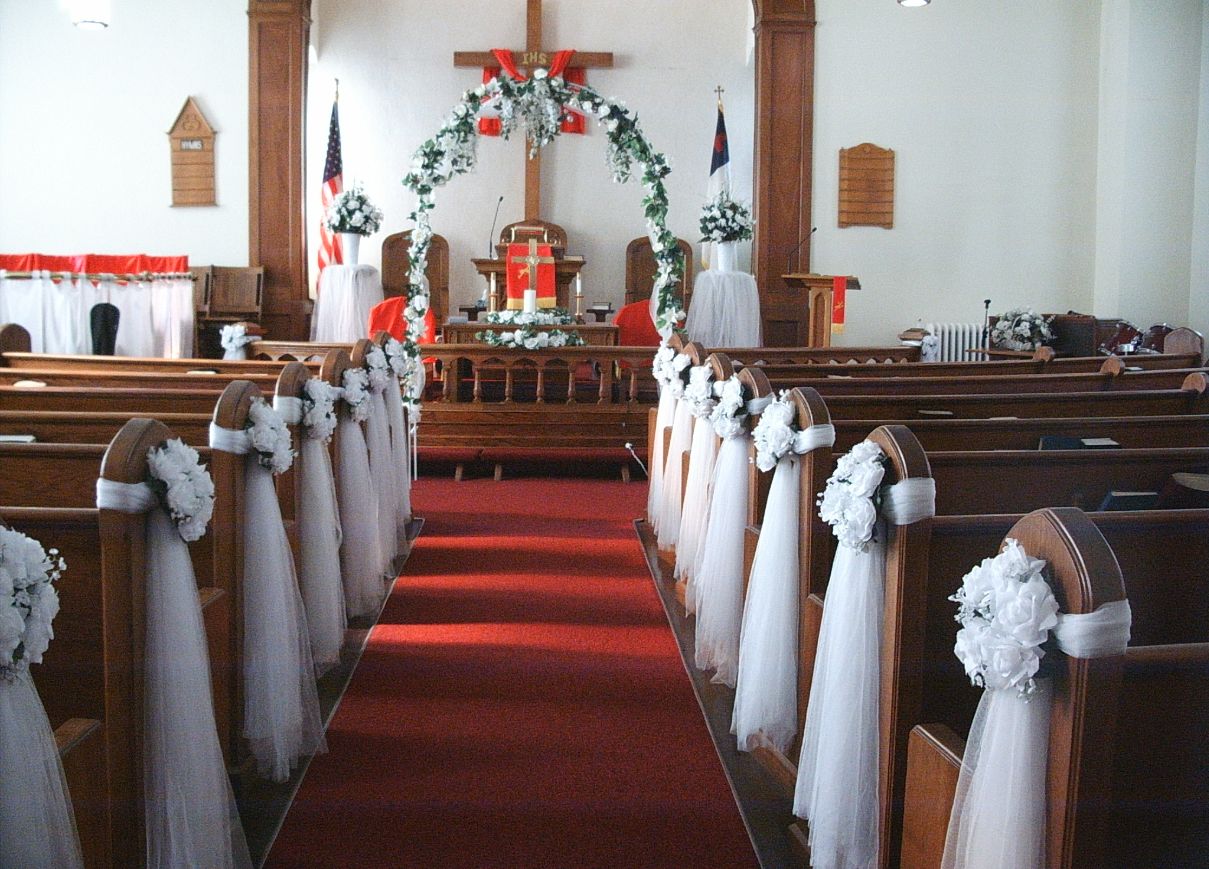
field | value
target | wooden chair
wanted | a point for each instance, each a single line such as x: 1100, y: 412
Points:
x: 640, y: 269
x: 396, y: 263
x: 229, y: 294
x: 543, y: 231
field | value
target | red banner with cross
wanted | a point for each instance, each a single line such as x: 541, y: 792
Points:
x: 839, y: 295
x: 517, y: 276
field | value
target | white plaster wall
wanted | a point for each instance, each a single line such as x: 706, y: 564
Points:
x: 84, y: 157
x: 1198, y: 284
x: 991, y: 111
x: 397, y: 82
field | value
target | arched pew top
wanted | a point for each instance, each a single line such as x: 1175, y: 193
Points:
x: 1184, y: 340
x: 125, y: 459
x: 696, y: 351
x: 721, y: 365
x: 232, y: 408
x: 380, y: 338
x: 1083, y: 571
x: 1113, y: 367
x: 292, y: 380
x: 754, y: 382
x: 811, y: 409
x: 360, y: 349
x: 335, y: 363
x: 908, y: 460
x: 14, y: 338
x: 1195, y: 382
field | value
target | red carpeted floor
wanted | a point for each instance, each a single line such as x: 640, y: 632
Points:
x: 521, y: 703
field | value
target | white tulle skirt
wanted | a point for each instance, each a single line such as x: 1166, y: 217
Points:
x: 837, y: 771
x: 673, y: 475
x: 663, y: 419
x: 319, y: 545
x: 360, y: 550
x: 385, y: 480
x: 695, y: 513
x: 37, y: 826
x: 719, y: 583
x: 281, y: 704
x: 191, y: 818
x: 766, y: 691
x: 400, y: 448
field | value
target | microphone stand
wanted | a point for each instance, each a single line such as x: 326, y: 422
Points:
x: 798, y: 246
x: 491, y: 254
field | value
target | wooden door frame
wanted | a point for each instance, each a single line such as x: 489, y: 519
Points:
x: 278, y: 40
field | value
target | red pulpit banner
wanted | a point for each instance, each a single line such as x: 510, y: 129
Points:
x: 518, y: 277
x: 839, y: 292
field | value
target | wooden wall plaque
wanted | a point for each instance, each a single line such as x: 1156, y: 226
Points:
x: 867, y: 186
x: 192, y: 141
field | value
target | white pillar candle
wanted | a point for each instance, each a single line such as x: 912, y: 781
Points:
x: 579, y: 285
x: 530, y: 301
x: 491, y: 280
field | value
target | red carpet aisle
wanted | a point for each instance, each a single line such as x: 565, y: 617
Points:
x: 520, y: 704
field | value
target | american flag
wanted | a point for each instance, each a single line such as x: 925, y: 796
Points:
x: 333, y: 183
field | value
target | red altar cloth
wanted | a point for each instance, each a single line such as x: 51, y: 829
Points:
x: 518, y: 277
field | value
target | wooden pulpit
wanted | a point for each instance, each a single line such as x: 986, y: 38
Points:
x: 565, y: 270
x: 817, y: 290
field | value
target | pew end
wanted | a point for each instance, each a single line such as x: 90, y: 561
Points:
x: 14, y: 338
x: 81, y: 746
x: 934, y: 754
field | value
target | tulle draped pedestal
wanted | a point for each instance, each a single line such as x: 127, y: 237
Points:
x: 37, y: 827
x: 360, y: 552
x: 718, y: 582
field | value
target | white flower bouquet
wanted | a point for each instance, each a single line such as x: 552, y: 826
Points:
x: 270, y: 437
x: 351, y: 211
x: 184, y: 486
x: 28, y: 600
x: 547, y: 317
x: 319, y: 409
x: 410, y: 371
x: 356, y: 393
x: 849, y: 502
x: 1021, y: 329
x: 724, y: 219
x: 377, y: 369
x: 1006, y: 611
x: 700, y: 391
x: 529, y: 338
x: 730, y: 410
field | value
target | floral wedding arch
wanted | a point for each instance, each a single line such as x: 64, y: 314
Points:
x: 535, y: 105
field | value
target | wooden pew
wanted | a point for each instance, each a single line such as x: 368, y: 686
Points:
x: 91, y: 678
x: 163, y: 380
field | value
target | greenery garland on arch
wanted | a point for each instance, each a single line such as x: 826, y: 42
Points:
x: 535, y: 106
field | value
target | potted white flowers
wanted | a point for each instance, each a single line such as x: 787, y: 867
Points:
x: 352, y: 215
x: 1021, y: 329
x: 725, y: 222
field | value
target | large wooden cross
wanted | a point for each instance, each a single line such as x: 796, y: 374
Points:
x: 533, y: 57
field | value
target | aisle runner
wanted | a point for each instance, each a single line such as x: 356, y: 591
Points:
x: 520, y: 704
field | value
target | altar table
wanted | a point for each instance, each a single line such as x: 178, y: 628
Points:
x: 346, y: 295
x: 725, y: 310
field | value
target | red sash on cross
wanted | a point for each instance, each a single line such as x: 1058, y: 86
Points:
x: 517, y: 277
x: 839, y: 293
x: 572, y: 122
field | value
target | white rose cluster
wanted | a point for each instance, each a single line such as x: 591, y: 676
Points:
x: 28, y: 600
x: 270, y: 437
x: 847, y: 503
x: 351, y: 211
x: 676, y: 371
x: 549, y: 317
x: 531, y: 339
x: 319, y: 409
x: 1021, y: 329
x: 730, y: 410
x: 356, y: 393
x: 185, y: 486
x: 234, y: 336
x: 774, y: 434
x: 700, y: 391
x: 1006, y: 611
x: 377, y: 369
x: 724, y: 219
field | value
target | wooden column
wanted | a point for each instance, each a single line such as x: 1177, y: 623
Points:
x: 278, y: 37
x: 784, y: 130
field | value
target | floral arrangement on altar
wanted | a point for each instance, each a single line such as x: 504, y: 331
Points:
x: 270, y: 437
x: 545, y: 317
x: 184, y: 486
x: 1006, y: 611
x: 849, y: 502
x: 730, y: 410
x: 28, y: 600
x: 356, y: 393
x: 724, y: 219
x: 531, y: 339
x: 319, y: 409
x: 534, y: 106
x: 351, y: 211
x: 1021, y: 329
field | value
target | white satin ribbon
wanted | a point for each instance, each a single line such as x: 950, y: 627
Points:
x: 809, y: 439
x: 290, y: 408
x: 125, y: 497
x: 758, y: 404
x: 230, y: 440
x: 909, y: 501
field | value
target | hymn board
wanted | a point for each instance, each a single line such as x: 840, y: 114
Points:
x: 532, y: 57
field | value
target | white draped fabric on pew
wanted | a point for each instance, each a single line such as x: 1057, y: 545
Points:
x: 837, y: 788
x: 156, y: 315
x: 384, y: 475
x: 725, y: 310
x: 281, y: 704
x: 343, y: 302
x: 189, y: 810
x: 673, y: 474
x: 360, y: 550
x: 663, y: 419
x: 37, y: 826
x: 400, y: 448
x: 318, y: 542
x: 694, y: 513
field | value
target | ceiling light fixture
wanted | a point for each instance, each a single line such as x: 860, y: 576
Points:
x: 913, y: 3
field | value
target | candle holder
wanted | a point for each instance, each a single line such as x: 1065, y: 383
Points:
x: 579, y: 304
x: 493, y: 299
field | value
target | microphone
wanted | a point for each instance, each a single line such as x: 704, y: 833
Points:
x: 491, y: 235
x: 798, y: 246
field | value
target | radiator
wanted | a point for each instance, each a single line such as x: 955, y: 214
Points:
x: 953, y: 339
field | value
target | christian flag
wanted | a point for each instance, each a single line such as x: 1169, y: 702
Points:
x: 330, y: 252
x: 719, y: 174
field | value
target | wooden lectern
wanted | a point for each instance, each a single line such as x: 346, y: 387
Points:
x: 817, y: 289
